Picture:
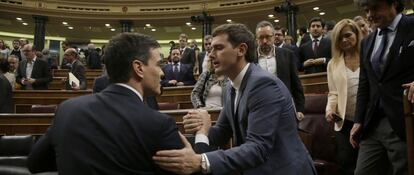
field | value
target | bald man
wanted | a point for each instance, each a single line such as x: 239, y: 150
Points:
x: 77, y: 69
x: 33, y: 73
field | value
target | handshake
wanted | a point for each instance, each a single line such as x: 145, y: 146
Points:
x: 197, y: 122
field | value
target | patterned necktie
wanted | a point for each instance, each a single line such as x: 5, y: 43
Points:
x: 315, y: 46
x: 377, y: 58
x: 175, y: 70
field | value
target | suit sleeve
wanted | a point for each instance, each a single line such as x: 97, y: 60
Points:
x: 297, y: 89
x: 46, y: 75
x: 197, y: 93
x: 164, y: 80
x: 363, y: 91
x: 19, y: 73
x: 264, y: 115
x: 333, y: 92
x: 189, y: 76
x: 221, y: 132
x: 80, y: 74
x: 42, y: 157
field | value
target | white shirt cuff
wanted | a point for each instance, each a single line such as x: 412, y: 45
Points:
x: 208, y: 166
x: 201, y: 138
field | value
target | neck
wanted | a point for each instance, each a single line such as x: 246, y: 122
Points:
x: 237, y: 69
x: 137, y: 86
x: 350, y: 54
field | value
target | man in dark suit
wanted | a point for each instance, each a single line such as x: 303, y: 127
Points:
x: 5, y: 89
x: 112, y: 132
x: 33, y: 73
x: 315, y: 55
x: 258, y: 114
x: 280, y: 42
x: 386, y: 65
x: 203, y: 57
x: 102, y: 82
x: 94, y: 60
x: 77, y: 69
x: 177, y: 73
x: 280, y: 62
x: 187, y: 54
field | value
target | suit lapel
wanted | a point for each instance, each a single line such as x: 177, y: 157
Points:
x: 394, y: 49
x: 241, y: 91
x: 280, y: 62
x: 368, y: 51
x: 24, y: 66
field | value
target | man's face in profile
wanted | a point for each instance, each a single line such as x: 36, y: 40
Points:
x: 152, y: 74
x: 223, y: 55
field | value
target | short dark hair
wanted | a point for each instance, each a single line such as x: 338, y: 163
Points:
x: 399, y: 3
x: 207, y: 37
x: 277, y: 27
x: 174, y: 48
x: 122, y: 50
x: 4, y: 65
x: 330, y: 24
x: 237, y: 34
x: 316, y: 19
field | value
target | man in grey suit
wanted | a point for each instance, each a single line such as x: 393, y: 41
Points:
x: 280, y: 62
x: 258, y: 114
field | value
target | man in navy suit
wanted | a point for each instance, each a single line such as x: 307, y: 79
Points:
x: 112, y: 132
x: 315, y: 54
x: 177, y: 73
x: 258, y: 114
x: 188, y: 55
x: 387, y: 65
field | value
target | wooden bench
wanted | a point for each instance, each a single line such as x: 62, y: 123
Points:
x: 37, y: 124
x: 409, y: 127
x: 93, y: 73
x: 316, y: 83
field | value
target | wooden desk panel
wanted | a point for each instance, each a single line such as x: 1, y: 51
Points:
x: 409, y: 128
x: 88, y: 72
x: 37, y: 124
x: 57, y: 84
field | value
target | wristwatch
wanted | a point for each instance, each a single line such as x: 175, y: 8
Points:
x: 204, y: 169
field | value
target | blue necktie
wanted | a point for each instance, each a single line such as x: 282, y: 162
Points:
x: 175, y: 71
x: 377, y: 59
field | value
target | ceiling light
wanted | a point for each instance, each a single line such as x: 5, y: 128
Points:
x: 19, y: 19
x: 188, y: 23
x: 271, y: 16
x: 108, y: 25
x: 113, y: 30
x: 70, y: 27
x: 322, y: 13
x: 316, y: 8
x: 153, y: 30
x: 276, y: 20
x: 193, y: 28
x: 228, y: 20
x: 148, y: 25
x: 25, y: 23
x: 65, y: 23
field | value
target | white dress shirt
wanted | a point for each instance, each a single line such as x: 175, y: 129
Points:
x: 268, y: 62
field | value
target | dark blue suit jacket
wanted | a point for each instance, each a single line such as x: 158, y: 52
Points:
x: 185, y: 75
x: 111, y: 132
x: 267, y: 141
x: 398, y: 70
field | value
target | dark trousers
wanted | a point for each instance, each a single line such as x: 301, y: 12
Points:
x: 381, y: 151
x: 346, y: 155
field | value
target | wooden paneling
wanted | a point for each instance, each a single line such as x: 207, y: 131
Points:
x: 88, y: 73
x: 57, y: 84
x: 37, y: 124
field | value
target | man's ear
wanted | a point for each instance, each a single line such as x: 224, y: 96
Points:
x: 137, y: 67
x: 242, y: 49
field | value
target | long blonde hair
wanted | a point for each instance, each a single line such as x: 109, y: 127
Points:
x: 337, y: 53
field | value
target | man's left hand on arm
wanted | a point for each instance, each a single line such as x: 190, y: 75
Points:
x: 410, y: 91
x: 179, y: 161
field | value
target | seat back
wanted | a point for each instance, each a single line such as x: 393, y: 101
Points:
x: 16, y: 145
x: 322, y: 133
x: 169, y: 106
x: 43, y: 108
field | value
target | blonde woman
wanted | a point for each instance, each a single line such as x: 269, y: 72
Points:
x: 343, y: 78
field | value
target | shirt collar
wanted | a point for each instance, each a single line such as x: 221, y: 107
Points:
x: 34, y: 59
x: 393, y: 26
x: 130, y: 88
x: 178, y: 64
x: 319, y: 38
x: 73, y: 61
x: 237, y: 82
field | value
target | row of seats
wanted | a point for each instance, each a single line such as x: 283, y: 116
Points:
x: 320, y: 138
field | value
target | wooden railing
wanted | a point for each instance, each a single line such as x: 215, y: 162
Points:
x: 37, y: 124
x: 88, y: 72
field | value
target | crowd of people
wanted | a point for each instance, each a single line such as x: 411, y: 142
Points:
x: 252, y: 77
